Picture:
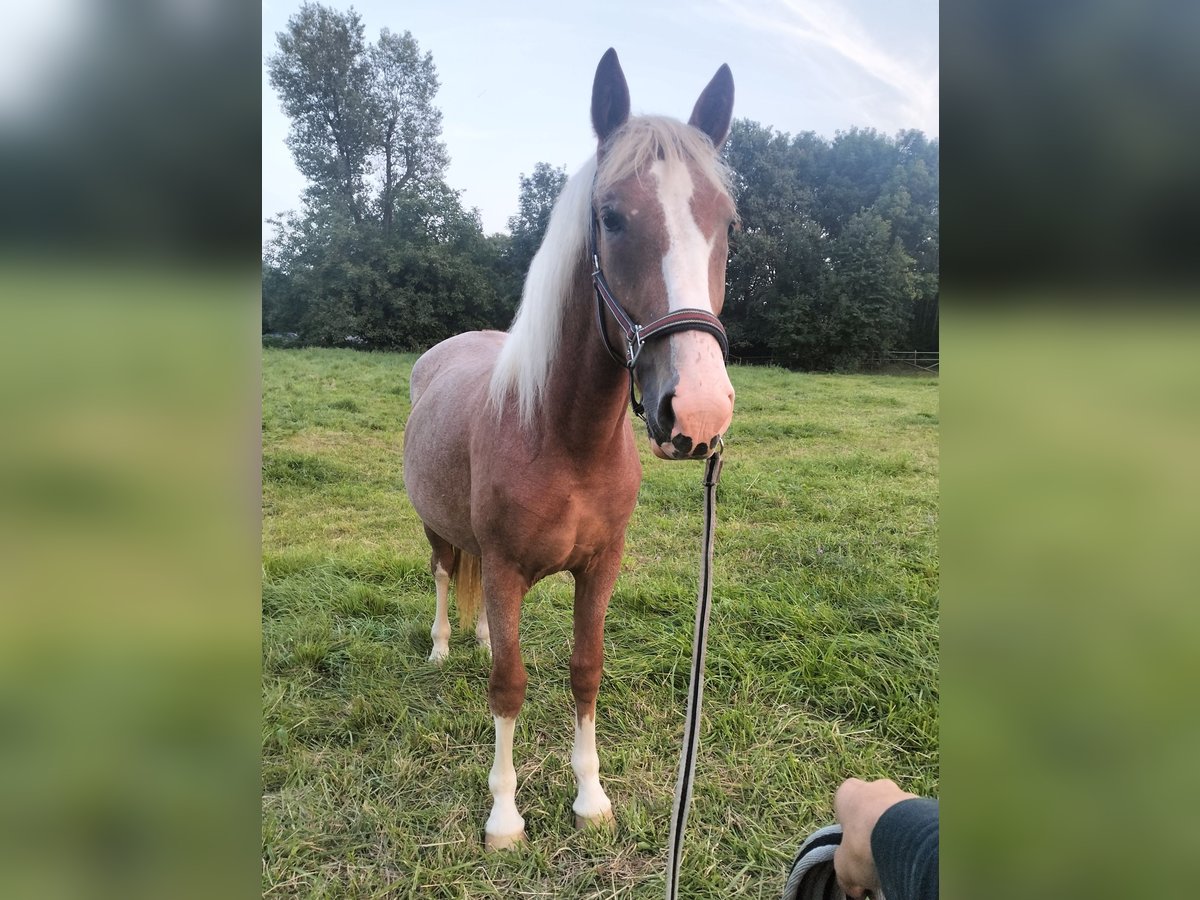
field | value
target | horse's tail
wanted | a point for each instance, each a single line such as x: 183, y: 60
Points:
x: 468, y: 586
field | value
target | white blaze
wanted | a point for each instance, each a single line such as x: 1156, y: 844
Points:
x: 685, y: 265
x: 703, y: 399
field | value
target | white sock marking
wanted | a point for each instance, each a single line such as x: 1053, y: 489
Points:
x: 591, y: 802
x: 441, y: 620
x: 504, y: 820
x: 482, y: 635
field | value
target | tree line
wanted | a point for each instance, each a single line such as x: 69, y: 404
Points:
x: 835, y: 260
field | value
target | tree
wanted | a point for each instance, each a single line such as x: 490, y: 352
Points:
x: 324, y: 81
x: 539, y: 192
x: 838, y: 253
x: 868, y: 298
x: 358, y: 111
x: 403, y: 86
x: 334, y: 281
x: 383, y: 252
x: 852, y: 172
x: 776, y: 261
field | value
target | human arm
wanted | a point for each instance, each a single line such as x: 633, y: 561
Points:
x: 889, y: 841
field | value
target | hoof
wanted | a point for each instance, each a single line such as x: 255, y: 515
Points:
x: 503, y: 841
x: 439, y: 654
x: 605, y: 820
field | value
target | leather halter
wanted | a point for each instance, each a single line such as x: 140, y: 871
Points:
x: 636, y: 336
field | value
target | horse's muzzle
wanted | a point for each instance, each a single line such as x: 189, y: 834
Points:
x: 688, y: 396
x: 682, y: 448
x: 682, y: 430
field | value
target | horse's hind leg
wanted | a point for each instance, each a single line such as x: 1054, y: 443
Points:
x: 442, y: 564
x: 483, y: 634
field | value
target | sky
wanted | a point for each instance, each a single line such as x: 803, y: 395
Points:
x: 516, y: 78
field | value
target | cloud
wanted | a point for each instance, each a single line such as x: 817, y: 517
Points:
x: 910, y: 85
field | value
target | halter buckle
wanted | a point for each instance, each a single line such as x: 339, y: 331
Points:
x: 633, y: 346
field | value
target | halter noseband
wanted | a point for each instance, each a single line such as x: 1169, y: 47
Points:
x: 636, y: 335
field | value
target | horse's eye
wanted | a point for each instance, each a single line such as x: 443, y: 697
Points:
x: 734, y: 227
x: 612, y: 221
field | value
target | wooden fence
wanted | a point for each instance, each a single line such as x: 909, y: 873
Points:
x: 918, y: 359
x: 926, y: 360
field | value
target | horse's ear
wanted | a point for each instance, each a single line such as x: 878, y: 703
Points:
x: 610, y: 96
x: 714, y: 109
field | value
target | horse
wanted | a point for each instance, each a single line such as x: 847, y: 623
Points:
x: 519, y: 455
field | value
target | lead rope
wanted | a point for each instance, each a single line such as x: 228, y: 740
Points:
x: 691, y: 725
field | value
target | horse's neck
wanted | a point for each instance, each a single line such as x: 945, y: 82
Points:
x: 586, y: 392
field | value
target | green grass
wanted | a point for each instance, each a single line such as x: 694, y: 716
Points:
x: 822, y: 658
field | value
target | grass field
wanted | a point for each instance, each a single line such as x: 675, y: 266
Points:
x: 822, y: 662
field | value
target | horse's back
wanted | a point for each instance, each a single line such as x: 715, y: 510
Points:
x: 464, y: 361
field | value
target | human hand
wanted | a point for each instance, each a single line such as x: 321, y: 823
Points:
x: 858, y: 805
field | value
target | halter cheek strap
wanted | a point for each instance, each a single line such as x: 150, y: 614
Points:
x: 637, y: 335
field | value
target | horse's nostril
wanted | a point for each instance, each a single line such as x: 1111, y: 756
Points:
x: 683, y: 444
x: 666, y: 414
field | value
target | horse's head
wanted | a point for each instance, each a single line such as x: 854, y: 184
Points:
x: 664, y: 213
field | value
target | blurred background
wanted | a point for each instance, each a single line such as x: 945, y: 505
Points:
x: 1071, y: 427
x: 129, y: 261
x: 129, y: 457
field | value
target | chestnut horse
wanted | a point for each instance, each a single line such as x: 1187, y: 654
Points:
x: 518, y: 454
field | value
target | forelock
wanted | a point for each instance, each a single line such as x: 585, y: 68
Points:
x: 635, y: 146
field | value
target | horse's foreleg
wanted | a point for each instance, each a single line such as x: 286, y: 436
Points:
x: 503, y: 590
x: 593, y: 587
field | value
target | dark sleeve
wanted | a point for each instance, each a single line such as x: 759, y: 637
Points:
x: 905, y: 846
